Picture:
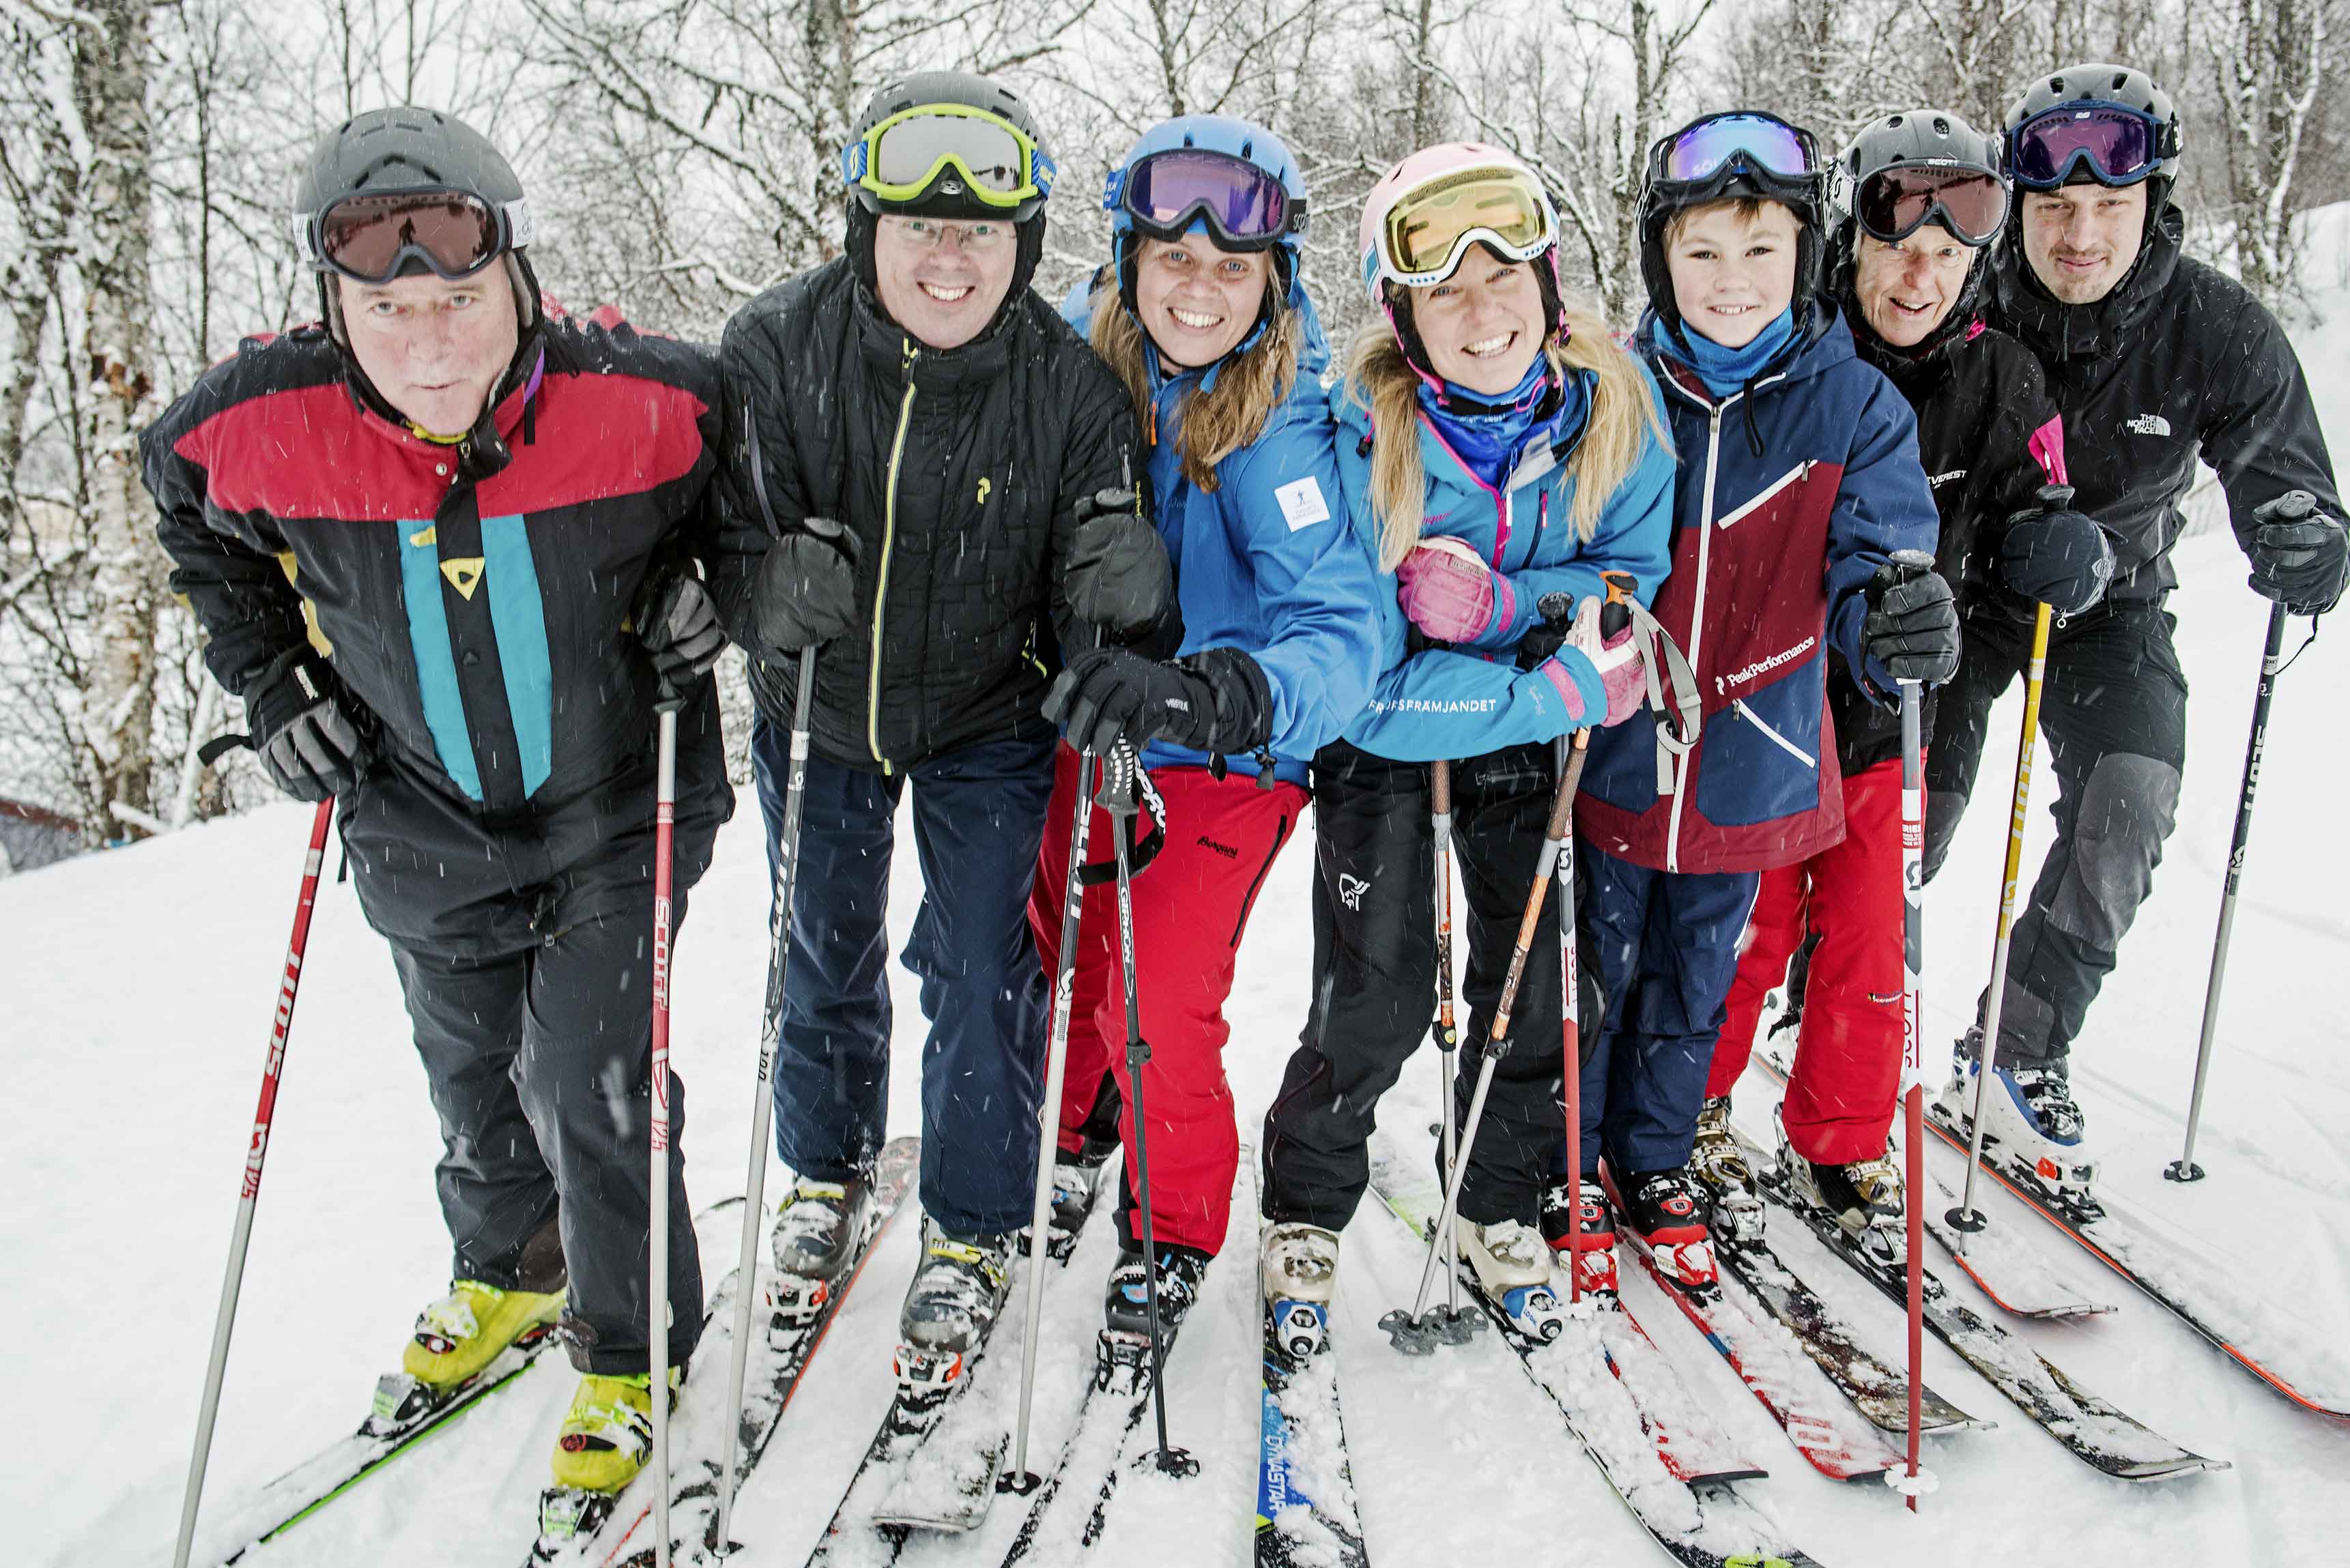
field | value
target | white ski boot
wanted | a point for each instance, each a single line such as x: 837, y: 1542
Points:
x: 2033, y: 1130
x: 1513, y: 1265
x: 1297, y: 1269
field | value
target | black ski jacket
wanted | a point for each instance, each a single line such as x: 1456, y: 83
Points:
x: 2179, y: 361
x: 1983, y: 415
x: 958, y: 471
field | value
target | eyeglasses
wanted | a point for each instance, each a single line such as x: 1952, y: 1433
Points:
x: 1894, y: 203
x: 908, y: 155
x: 1430, y: 227
x: 1244, y: 207
x: 1764, y: 142
x: 929, y: 234
x: 372, y: 238
x: 2121, y: 145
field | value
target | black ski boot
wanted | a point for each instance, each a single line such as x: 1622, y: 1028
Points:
x: 819, y: 1226
x: 1126, y: 1308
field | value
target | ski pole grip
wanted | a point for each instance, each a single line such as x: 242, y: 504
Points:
x: 1908, y: 565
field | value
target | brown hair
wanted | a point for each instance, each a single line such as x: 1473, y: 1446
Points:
x: 1380, y: 380
x: 1226, y: 416
x: 1749, y: 209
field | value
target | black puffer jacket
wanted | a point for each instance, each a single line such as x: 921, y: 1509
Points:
x: 2178, y: 360
x: 959, y: 474
x: 1980, y: 402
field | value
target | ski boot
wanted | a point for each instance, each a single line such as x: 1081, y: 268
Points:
x: 1513, y: 1269
x: 1665, y: 1212
x: 819, y: 1228
x: 605, y: 1436
x: 1126, y: 1307
x: 949, y: 1309
x: 1076, y: 1181
x: 1594, y: 1239
x: 1865, y: 1195
x: 1298, y: 1268
x: 1717, y: 1162
x: 2033, y: 1129
x: 455, y: 1341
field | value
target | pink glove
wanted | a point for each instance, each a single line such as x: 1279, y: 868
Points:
x: 1449, y: 593
x: 1617, y: 658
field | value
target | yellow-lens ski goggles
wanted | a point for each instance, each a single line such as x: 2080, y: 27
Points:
x: 912, y: 154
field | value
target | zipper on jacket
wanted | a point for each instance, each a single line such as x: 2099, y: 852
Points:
x: 889, y: 541
x: 1697, y: 627
x: 1785, y: 744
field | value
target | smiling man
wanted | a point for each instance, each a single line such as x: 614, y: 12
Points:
x: 922, y: 483
x: 2153, y: 360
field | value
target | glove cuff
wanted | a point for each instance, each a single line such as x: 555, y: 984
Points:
x: 294, y: 681
x: 1242, y: 696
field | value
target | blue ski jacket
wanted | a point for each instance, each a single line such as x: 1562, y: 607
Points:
x: 1463, y: 700
x: 1265, y: 563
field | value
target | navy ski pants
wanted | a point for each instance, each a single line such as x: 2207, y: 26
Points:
x: 979, y: 815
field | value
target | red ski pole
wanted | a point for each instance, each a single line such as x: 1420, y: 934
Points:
x: 657, y: 1319
x: 249, y: 1191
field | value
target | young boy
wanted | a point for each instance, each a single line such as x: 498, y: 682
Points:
x: 1799, y: 477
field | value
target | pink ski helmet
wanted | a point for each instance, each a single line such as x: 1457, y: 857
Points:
x: 1422, y: 218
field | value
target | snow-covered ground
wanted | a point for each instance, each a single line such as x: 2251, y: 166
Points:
x: 140, y: 984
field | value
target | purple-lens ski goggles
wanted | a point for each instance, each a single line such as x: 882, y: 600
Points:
x: 2121, y: 145
x: 1245, y: 208
x: 1764, y: 140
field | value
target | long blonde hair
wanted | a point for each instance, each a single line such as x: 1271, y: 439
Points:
x: 1211, y: 425
x: 1381, y: 380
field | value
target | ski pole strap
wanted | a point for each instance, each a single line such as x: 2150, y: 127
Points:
x: 1673, y: 691
x: 1140, y: 788
x: 219, y: 746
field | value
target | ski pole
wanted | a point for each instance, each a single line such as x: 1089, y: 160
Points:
x: 1570, y: 1026
x: 1966, y: 1219
x: 1020, y: 1479
x: 2184, y: 1167
x: 249, y: 1193
x: 1448, y: 1035
x: 1117, y: 798
x: 657, y: 1318
x: 762, y: 1107
x: 1913, y: 1088
x: 1497, y: 1038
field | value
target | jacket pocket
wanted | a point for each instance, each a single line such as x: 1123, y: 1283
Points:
x: 1761, y: 756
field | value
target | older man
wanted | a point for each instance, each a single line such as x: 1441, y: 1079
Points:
x: 2153, y: 359
x: 442, y: 544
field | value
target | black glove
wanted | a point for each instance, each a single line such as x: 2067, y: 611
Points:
x: 1212, y: 701
x: 2299, y: 553
x: 678, y: 626
x: 807, y: 591
x: 1117, y: 576
x: 1911, y: 630
x: 2056, y: 556
x: 303, y: 729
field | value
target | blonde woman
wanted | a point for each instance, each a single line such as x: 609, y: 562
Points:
x: 1202, y: 314
x: 1498, y: 447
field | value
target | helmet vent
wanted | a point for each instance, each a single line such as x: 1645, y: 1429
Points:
x: 2121, y: 80
x: 1894, y: 123
x: 1941, y: 126
x: 1248, y: 148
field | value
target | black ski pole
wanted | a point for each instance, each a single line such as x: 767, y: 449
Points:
x: 1448, y: 1033
x: 2184, y: 1167
x: 1117, y: 798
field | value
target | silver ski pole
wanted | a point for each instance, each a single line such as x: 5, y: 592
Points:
x: 762, y: 1104
x: 289, y: 980
x: 657, y: 1318
x: 2184, y: 1167
x: 1448, y: 1033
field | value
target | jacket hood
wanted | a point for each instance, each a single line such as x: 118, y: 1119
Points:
x: 2055, y: 330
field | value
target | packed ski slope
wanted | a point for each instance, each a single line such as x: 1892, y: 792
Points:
x: 139, y: 985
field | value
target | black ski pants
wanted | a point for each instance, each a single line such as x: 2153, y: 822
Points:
x: 2114, y: 711
x: 1375, y: 981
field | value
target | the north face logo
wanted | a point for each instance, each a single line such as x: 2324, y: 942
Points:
x: 2148, y: 425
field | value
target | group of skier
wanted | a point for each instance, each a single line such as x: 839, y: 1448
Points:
x: 453, y: 549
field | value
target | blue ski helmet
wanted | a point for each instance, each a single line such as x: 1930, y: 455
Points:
x: 1212, y: 174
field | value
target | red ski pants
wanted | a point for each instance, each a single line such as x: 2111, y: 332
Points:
x: 1191, y: 906
x: 1839, y: 1103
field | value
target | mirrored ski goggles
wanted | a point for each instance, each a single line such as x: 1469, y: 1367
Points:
x: 1894, y: 203
x: 452, y: 234
x: 1764, y: 142
x: 2121, y: 145
x: 1430, y: 227
x: 909, y: 155
x: 1244, y: 207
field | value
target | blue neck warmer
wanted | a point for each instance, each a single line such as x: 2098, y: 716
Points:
x: 1725, y: 371
x: 1490, y: 443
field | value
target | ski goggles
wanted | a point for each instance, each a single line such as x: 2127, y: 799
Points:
x: 1894, y: 203
x: 2121, y: 145
x: 909, y: 155
x: 1245, y: 208
x: 1429, y: 229
x: 1701, y: 151
x: 452, y: 233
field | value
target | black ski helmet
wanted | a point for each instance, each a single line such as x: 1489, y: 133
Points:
x: 1920, y: 138
x: 2097, y: 82
x: 946, y: 198
x: 1736, y: 179
x: 410, y: 149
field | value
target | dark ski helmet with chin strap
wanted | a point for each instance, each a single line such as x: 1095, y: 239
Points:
x: 394, y: 151
x: 1736, y: 155
x: 961, y: 178
x: 1939, y: 143
x: 2084, y: 89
